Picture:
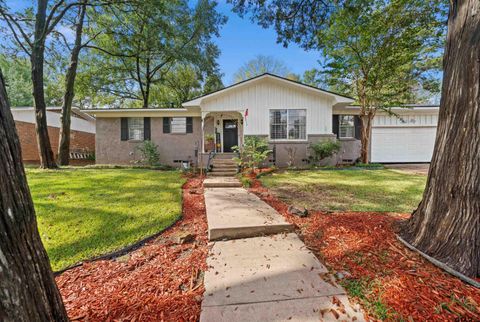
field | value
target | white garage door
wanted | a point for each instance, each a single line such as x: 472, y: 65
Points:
x: 402, y: 144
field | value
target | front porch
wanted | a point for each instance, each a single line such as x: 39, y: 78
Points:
x: 221, y: 132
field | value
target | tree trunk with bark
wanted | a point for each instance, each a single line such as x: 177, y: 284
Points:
x: 64, y: 138
x: 446, y: 224
x: 28, y: 289
x: 47, y: 159
x: 366, y: 120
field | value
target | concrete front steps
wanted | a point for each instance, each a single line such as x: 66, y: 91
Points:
x: 223, y: 168
x: 222, y: 182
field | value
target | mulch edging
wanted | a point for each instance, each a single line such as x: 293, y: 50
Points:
x: 363, y: 247
x: 119, y: 252
x: 160, y: 281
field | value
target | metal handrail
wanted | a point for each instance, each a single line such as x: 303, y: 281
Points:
x: 211, y: 155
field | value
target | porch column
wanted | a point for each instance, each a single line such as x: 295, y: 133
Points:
x: 244, y: 123
x: 204, y: 115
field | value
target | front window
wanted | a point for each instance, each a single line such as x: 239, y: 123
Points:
x: 178, y: 125
x: 135, y: 128
x: 288, y: 124
x: 346, y: 126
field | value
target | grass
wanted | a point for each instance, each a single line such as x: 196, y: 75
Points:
x: 349, y: 190
x: 83, y: 213
x: 362, y: 289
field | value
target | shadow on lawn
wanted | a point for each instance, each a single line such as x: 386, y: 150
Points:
x: 107, y: 231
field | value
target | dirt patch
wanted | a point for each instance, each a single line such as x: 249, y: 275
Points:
x: 420, y: 168
x: 162, y: 281
x: 312, y: 197
x: 391, y: 282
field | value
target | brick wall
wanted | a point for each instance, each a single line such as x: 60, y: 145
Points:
x: 80, y: 141
x: 171, y: 146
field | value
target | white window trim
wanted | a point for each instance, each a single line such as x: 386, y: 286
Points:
x: 171, y: 125
x: 340, y: 127
x: 143, y: 129
x: 287, y: 139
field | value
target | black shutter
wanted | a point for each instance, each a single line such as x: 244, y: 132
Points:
x: 124, y: 128
x: 146, y: 129
x: 335, y: 125
x: 166, y: 125
x: 189, y: 125
x: 358, y: 127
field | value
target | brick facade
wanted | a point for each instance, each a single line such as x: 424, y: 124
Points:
x: 171, y: 146
x: 80, y: 141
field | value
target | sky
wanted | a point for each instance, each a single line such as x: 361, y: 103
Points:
x: 241, y: 40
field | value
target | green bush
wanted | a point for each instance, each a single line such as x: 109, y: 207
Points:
x: 255, y: 151
x: 149, y: 151
x: 323, y: 149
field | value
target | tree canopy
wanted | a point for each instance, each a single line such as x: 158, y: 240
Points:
x: 142, y: 44
x: 263, y: 64
x: 367, y: 32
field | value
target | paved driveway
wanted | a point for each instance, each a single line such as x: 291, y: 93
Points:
x: 415, y: 168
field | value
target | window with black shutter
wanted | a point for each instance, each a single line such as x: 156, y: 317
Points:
x: 124, y: 128
x: 146, y: 129
x: 335, y: 124
x: 189, y: 125
x: 358, y: 127
x: 166, y: 125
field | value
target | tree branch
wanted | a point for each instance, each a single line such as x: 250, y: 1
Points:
x: 9, y: 20
x: 109, y: 52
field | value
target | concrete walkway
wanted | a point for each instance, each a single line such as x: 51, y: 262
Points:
x: 236, y: 213
x: 264, y: 278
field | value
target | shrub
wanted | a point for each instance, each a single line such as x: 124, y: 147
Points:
x: 324, y: 149
x: 149, y: 151
x: 255, y: 151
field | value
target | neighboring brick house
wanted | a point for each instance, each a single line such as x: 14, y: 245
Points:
x: 82, y: 133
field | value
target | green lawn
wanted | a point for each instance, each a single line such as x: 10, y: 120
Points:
x: 87, y: 212
x: 355, y: 190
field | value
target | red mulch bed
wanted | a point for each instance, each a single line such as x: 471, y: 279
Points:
x: 365, y: 245
x: 161, y: 281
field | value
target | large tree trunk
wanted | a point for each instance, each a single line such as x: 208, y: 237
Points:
x: 37, y: 58
x: 28, y: 290
x: 64, y: 139
x: 446, y: 224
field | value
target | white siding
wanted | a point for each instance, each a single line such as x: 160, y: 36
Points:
x: 406, y: 120
x: 53, y: 119
x: 260, y: 97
